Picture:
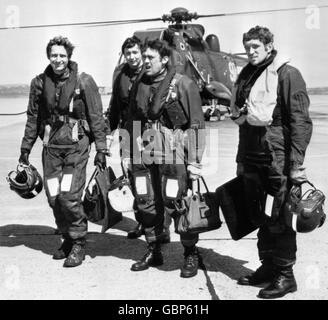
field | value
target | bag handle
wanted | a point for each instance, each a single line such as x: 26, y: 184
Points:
x: 198, y: 185
x: 94, y: 174
x: 307, y: 181
x: 303, y: 196
x: 207, y: 191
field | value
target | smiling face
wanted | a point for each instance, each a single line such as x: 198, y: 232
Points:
x: 133, y: 57
x: 257, y: 51
x: 153, y: 62
x: 58, y: 59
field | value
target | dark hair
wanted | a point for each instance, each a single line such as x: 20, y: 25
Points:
x: 158, y: 45
x: 258, y: 33
x: 60, y: 41
x: 131, y: 42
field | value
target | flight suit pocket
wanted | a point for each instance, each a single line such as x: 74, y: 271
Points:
x: 175, y: 115
x: 62, y: 135
x: 171, y: 188
x: 143, y: 187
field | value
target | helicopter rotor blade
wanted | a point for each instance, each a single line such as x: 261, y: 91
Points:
x: 85, y: 24
x: 253, y: 12
x: 118, y: 22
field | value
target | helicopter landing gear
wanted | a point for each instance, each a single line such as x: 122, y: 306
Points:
x: 213, y: 112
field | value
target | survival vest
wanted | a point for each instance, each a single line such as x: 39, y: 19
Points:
x: 164, y: 105
x: 63, y: 115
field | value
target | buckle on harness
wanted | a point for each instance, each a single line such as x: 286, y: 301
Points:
x: 153, y: 124
x: 59, y: 118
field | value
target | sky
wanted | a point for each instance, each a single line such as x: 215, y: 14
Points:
x: 302, y: 35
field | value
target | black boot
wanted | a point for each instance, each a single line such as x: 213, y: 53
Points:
x: 191, y: 261
x: 153, y: 257
x: 137, y: 232
x: 283, y: 283
x: 77, y: 254
x: 64, y: 249
x: 265, y: 273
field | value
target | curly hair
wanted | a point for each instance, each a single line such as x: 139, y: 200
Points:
x: 158, y: 45
x: 60, y: 41
x: 258, y: 33
x: 131, y: 42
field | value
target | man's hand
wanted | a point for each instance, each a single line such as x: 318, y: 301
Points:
x: 100, y: 159
x: 297, y: 175
x: 23, y: 159
x: 195, y: 170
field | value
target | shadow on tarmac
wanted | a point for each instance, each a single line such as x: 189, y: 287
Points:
x: 36, y: 237
x: 44, y: 239
x: 231, y: 267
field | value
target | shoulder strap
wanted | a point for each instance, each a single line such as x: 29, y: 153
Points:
x: 76, y: 92
x: 118, y: 70
x: 155, y: 109
x: 134, y: 90
x: 173, y: 83
x: 42, y: 77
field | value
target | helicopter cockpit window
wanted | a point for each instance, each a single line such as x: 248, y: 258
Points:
x: 193, y: 34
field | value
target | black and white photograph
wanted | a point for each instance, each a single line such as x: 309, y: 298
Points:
x: 163, y: 154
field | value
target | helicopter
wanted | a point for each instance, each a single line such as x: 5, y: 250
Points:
x: 213, y: 70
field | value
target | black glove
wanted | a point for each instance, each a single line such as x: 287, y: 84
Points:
x: 23, y: 159
x: 100, y: 159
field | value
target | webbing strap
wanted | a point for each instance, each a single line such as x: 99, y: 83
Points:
x: 173, y: 82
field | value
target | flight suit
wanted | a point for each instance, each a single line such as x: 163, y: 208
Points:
x: 66, y: 112
x: 268, y: 153
x: 163, y: 147
x: 123, y: 79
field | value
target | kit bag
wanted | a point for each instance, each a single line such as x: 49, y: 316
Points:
x: 198, y: 212
x: 95, y: 202
x: 231, y: 199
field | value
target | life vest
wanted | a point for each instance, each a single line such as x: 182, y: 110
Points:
x: 164, y: 105
x: 63, y: 113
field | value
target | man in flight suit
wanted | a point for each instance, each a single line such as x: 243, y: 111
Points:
x: 271, y: 106
x: 117, y: 112
x: 65, y: 111
x: 123, y: 78
x: 166, y: 107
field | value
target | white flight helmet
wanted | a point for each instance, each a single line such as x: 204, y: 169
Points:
x: 120, y: 196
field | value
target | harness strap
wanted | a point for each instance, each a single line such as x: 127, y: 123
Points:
x: 77, y: 125
x: 173, y: 82
x: 46, y: 135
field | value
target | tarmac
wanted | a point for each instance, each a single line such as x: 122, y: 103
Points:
x: 28, y: 239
